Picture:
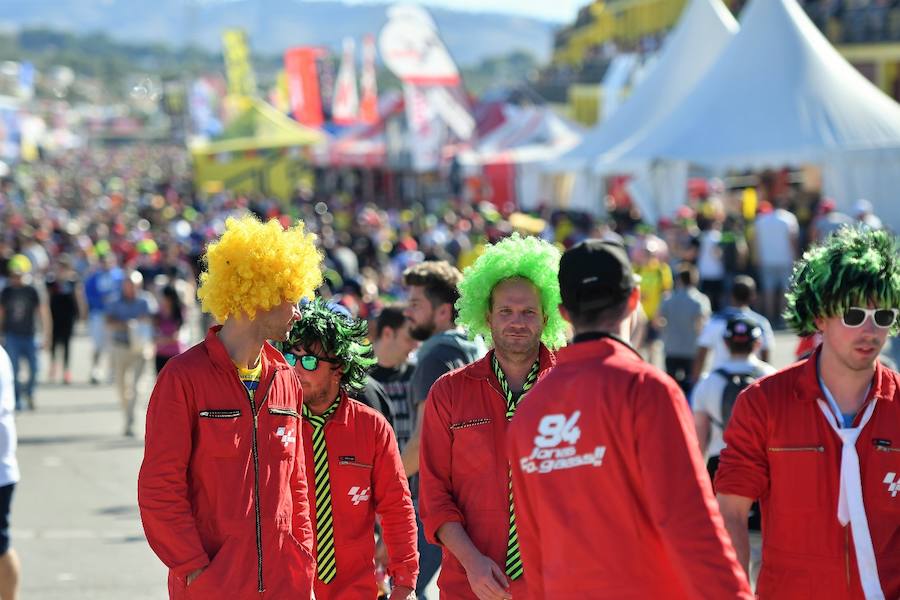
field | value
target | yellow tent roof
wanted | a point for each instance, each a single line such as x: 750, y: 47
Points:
x: 260, y: 126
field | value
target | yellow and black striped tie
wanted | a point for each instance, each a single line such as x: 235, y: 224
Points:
x: 326, y: 566
x: 513, y: 557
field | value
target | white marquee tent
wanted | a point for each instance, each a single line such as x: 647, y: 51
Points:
x: 704, y: 29
x: 778, y: 95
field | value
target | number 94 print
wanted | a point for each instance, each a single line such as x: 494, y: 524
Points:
x: 555, y: 447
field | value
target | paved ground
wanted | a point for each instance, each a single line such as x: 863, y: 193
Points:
x: 75, y: 519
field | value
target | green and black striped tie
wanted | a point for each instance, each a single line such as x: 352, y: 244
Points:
x: 326, y: 566
x: 513, y: 557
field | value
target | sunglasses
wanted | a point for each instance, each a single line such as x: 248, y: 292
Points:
x: 856, y: 316
x: 309, y: 362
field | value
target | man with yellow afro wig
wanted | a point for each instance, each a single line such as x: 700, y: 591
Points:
x: 223, y: 486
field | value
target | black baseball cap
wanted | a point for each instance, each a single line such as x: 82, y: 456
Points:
x: 595, y: 274
x: 742, y: 330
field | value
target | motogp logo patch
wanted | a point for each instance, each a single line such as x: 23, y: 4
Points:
x: 357, y: 495
x: 287, y: 436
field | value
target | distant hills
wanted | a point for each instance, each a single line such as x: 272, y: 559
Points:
x: 273, y: 25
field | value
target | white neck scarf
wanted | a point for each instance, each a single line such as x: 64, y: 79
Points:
x: 850, y: 508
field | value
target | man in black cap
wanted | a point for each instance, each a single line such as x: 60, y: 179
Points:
x: 607, y: 441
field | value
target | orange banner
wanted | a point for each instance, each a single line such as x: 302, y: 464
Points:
x: 368, y: 106
x: 303, y: 85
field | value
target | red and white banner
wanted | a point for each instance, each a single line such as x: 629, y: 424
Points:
x: 427, y: 131
x: 412, y: 49
x: 303, y: 85
x: 368, y: 107
x: 345, y: 107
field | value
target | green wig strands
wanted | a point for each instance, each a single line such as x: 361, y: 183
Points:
x: 526, y: 257
x: 851, y: 268
x: 339, y: 335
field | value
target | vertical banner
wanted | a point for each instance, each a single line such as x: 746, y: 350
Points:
x: 345, y: 110
x: 303, y: 85
x: 201, y: 107
x: 241, y: 79
x: 426, y: 129
x: 368, y: 107
x: 412, y: 49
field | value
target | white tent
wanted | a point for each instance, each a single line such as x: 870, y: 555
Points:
x: 704, y: 29
x: 689, y: 51
x: 778, y: 95
x: 529, y: 137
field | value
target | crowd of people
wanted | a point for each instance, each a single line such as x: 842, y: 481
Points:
x: 120, y: 240
x: 248, y: 466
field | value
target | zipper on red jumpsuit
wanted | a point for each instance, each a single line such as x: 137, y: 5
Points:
x: 255, y: 451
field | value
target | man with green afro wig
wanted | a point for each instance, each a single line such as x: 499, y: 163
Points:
x: 352, y: 450
x: 822, y: 436
x: 510, y: 295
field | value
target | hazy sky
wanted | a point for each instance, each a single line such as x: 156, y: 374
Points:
x: 563, y: 11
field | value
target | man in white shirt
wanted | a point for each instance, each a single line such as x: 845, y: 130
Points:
x: 776, y: 233
x: 713, y: 397
x: 711, y: 339
x: 9, y: 476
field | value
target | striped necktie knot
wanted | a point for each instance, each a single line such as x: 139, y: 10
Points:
x: 514, y: 567
x: 326, y: 564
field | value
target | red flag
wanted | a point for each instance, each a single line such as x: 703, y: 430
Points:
x: 368, y: 108
x: 303, y: 85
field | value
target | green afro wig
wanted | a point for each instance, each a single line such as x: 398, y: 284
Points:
x: 850, y: 268
x: 526, y: 257
x: 331, y: 327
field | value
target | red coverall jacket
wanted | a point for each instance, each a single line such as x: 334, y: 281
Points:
x: 223, y: 488
x: 464, y: 475
x: 781, y: 450
x: 613, y: 500
x: 367, y: 478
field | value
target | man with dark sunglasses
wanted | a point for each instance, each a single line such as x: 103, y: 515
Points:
x: 352, y: 452
x: 818, y: 443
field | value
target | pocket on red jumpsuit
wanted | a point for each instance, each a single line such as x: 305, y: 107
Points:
x: 224, y: 574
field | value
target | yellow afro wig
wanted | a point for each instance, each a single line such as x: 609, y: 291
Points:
x: 256, y: 266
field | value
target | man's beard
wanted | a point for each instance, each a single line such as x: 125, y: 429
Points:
x: 420, y: 333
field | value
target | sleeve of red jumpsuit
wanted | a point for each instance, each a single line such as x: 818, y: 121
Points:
x: 302, y: 525
x: 743, y: 465
x: 436, y: 503
x: 162, y: 482
x: 393, y: 503
x: 679, y: 495
x: 527, y: 520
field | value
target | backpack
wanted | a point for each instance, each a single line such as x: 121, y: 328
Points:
x: 734, y: 383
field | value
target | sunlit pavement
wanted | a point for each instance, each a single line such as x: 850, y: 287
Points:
x: 75, y: 522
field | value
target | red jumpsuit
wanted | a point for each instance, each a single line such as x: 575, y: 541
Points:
x: 781, y: 450
x: 367, y: 478
x: 612, y: 497
x: 221, y: 488
x: 463, y: 467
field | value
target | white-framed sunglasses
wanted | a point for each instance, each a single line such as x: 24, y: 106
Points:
x: 855, y: 316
